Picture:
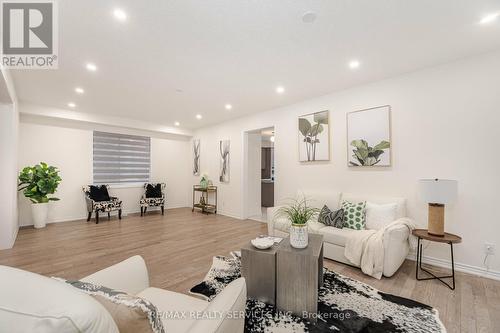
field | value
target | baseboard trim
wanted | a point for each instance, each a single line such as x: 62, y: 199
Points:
x: 460, y: 267
x: 234, y: 216
x: 84, y: 217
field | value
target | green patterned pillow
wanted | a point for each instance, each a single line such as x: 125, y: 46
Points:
x: 354, y: 215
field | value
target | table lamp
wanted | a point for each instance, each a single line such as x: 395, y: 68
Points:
x: 437, y: 193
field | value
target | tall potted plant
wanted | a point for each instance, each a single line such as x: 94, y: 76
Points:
x: 299, y: 213
x: 37, y: 183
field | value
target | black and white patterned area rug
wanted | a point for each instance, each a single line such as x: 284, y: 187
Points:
x: 344, y: 305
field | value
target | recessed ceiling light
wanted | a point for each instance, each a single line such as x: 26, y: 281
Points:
x: 198, y: 116
x: 309, y: 17
x: 490, y: 18
x: 280, y: 89
x: 177, y: 123
x: 120, y: 15
x: 72, y: 105
x: 79, y: 90
x: 354, y: 64
x: 228, y: 106
x: 91, y: 67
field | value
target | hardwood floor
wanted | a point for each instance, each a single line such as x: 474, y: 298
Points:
x: 178, y: 249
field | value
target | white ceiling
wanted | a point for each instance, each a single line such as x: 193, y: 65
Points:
x: 238, y: 51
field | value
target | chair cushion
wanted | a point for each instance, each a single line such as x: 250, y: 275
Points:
x: 336, y: 236
x: 34, y: 303
x: 152, y: 202
x: 130, y: 313
x: 153, y: 191
x: 107, y: 206
x: 176, y: 308
x: 99, y: 193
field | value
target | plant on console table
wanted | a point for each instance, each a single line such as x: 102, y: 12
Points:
x: 299, y: 213
x: 37, y: 183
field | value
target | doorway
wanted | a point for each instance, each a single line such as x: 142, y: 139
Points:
x: 259, y: 174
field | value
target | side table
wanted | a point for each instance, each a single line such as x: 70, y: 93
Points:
x: 448, y: 239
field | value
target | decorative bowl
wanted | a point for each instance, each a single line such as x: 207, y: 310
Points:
x: 262, y: 243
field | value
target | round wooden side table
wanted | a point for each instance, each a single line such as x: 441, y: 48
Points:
x: 450, y: 239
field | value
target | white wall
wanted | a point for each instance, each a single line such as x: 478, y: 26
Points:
x: 70, y: 149
x: 253, y: 174
x: 9, y: 123
x: 445, y: 124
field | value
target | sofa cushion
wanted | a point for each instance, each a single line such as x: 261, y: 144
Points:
x: 380, y: 200
x: 314, y: 226
x: 34, y: 303
x: 331, y: 218
x: 378, y: 216
x: 282, y: 224
x: 177, y: 309
x: 130, y: 313
x: 354, y: 214
x: 336, y: 236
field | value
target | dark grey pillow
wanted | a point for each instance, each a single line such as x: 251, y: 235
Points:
x: 332, y: 218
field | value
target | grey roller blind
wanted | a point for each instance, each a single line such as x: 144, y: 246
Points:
x: 120, y: 158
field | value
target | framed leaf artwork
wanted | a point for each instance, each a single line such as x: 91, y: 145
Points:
x: 314, y: 137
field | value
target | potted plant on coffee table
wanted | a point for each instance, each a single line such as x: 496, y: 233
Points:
x: 37, y: 183
x: 299, y: 213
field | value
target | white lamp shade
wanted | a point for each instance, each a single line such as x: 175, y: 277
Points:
x: 439, y: 191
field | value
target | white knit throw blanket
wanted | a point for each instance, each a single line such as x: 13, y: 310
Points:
x: 365, y: 248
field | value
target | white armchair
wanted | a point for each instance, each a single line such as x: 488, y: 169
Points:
x: 34, y: 303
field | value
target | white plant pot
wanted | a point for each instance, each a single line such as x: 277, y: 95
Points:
x: 298, y: 236
x: 40, y: 212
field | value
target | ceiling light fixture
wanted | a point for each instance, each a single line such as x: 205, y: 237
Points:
x: 79, y: 90
x: 72, y: 105
x: 198, y: 116
x: 91, y: 67
x: 490, y: 18
x: 280, y: 89
x: 177, y: 123
x: 228, y: 106
x: 309, y: 17
x: 354, y: 64
x: 120, y: 15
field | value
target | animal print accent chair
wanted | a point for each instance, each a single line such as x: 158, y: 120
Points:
x: 114, y: 204
x: 153, y: 201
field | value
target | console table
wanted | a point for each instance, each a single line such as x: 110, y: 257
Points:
x: 204, y: 202
x: 448, y: 239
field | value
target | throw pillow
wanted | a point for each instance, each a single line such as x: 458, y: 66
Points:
x: 331, y: 218
x: 378, y: 216
x: 354, y: 215
x: 153, y: 191
x: 131, y: 314
x: 99, y: 193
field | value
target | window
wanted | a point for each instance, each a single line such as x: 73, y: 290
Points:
x: 121, y: 159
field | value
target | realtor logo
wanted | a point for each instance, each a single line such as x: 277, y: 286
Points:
x: 29, y: 34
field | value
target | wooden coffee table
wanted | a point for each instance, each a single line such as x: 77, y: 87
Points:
x: 299, y: 274
x: 258, y: 267
x: 448, y: 239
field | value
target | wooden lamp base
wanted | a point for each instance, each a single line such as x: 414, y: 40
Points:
x: 436, y: 219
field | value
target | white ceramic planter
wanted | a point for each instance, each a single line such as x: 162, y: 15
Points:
x: 40, y: 212
x: 298, y: 236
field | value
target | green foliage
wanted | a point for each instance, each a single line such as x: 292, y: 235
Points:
x: 38, y: 181
x: 298, y: 211
x: 310, y: 132
x: 366, y: 155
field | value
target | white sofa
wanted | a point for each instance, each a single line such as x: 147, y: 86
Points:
x: 33, y: 303
x: 395, y: 240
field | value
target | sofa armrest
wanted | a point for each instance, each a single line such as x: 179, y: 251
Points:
x: 130, y: 276
x: 271, y: 215
x: 396, y: 248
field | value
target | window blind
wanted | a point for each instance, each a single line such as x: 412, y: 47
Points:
x: 120, y: 158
